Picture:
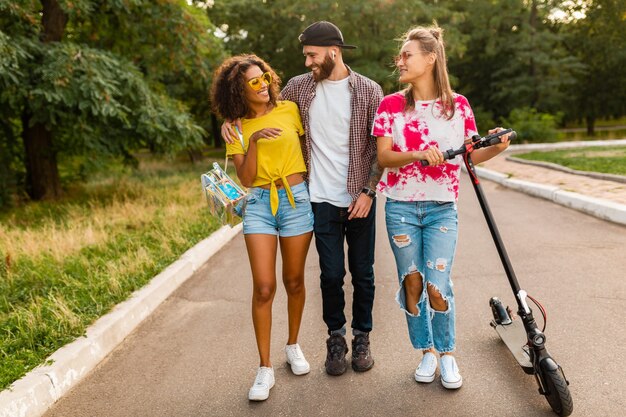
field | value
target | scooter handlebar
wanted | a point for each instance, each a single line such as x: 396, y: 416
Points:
x: 495, y: 138
x: 478, y: 143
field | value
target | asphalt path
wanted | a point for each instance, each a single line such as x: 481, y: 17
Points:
x: 196, y: 355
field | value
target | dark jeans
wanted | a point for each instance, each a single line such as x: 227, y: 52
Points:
x: 332, y: 227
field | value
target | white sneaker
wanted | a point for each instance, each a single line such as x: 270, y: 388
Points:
x: 295, y: 358
x: 450, y: 376
x: 425, y: 371
x: 264, y: 381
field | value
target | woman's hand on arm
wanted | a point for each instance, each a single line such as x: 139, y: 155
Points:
x: 265, y: 133
x: 388, y: 158
x: 246, y: 165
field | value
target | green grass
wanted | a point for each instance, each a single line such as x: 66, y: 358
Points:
x: 65, y: 264
x: 607, y: 160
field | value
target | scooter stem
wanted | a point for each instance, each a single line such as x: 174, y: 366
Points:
x: 495, y: 234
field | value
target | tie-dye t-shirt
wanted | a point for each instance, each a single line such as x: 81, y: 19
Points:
x: 415, y: 131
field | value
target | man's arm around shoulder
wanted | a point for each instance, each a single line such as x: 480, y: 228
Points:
x: 376, y: 171
x: 294, y: 88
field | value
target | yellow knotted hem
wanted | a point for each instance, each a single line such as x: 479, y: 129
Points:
x: 274, y: 201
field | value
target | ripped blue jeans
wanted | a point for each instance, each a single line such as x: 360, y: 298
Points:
x: 423, y: 237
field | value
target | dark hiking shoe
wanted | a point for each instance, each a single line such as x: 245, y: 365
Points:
x: 336, y: 362
x: 362, y: 359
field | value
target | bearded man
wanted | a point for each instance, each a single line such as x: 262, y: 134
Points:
x: 337, y: 107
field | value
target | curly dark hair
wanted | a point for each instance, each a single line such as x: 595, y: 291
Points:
x: 227, y: 92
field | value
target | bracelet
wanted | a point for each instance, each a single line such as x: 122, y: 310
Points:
x: 368, y: 192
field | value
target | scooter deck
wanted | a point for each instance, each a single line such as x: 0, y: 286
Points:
x: 514, y: 336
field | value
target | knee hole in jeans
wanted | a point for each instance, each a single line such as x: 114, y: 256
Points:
x: 413, y: 288
x: 437, y: 301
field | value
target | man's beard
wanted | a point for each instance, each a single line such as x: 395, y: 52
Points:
x: 325, y: 69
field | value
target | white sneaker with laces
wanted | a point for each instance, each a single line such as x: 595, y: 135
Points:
x: 295, y: 358
x: 425, y: 371
x: 450, y: 376
x: 264, y: 381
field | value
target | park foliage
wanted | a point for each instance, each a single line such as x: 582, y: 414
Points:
x: 99, y: 78
x: 109, y: 77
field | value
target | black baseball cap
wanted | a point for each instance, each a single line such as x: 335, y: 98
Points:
x: 323, y: 34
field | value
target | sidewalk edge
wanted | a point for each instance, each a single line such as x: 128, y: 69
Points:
x: 603, y: 209
x: 33, y: 394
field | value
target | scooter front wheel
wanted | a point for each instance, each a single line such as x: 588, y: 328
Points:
x: 555, y: 388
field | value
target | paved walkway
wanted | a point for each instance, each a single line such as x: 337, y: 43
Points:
x: 177, y: 365
x: 604, y: 189
x: 196, y: 355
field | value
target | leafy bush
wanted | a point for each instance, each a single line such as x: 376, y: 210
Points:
x: 532, y: 126
x: 11, y: 164
x: 484, y: 119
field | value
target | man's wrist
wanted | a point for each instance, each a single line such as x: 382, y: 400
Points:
x: 369, y: 192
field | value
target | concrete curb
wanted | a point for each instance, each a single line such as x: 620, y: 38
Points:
x: 32, y: 395
x: 603, y: 209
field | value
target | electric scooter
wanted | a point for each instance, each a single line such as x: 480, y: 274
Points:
x: 521, y: 334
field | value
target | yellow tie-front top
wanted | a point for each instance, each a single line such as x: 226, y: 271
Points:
x: 278, y: 157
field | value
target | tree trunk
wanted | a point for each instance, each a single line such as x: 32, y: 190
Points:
x: 7, y: 176
x: 41, y: 162
x: 195, y: 154
x: 53, y: 21
x: 591, y: 121
x: 215, y: 129
x: 533, y: 23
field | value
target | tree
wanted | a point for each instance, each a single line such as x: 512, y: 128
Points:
x: 372, y: 25
x: 514, y: 56
x: 101, y: 77
x: 502, y: 54
x: 598, y: 41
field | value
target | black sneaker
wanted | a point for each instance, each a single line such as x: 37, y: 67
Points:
x: 362, y: 359
x: 336, y: 362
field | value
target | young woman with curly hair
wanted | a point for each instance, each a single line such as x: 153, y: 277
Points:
x: 278, y: 209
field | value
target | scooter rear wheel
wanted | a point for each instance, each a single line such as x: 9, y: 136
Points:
x: 556, y: 390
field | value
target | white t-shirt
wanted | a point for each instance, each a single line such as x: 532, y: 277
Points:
x: 329, y: 117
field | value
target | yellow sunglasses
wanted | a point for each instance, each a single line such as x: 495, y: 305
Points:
x: 256, y: 83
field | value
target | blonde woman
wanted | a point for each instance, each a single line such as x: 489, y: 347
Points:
x: 421, y: 214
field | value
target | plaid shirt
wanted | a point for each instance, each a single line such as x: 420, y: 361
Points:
x: 366, y: 95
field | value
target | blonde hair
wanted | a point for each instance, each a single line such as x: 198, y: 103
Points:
x: 431, y: 40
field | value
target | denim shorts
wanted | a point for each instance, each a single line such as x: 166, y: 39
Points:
x: 423, y: 238
x: 288, y: 221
